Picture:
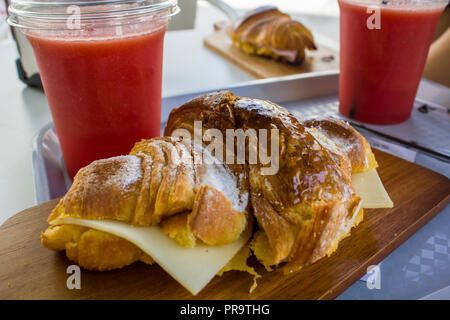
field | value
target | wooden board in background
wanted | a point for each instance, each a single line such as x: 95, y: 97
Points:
x: 29, y: 271
x: 262, y: 67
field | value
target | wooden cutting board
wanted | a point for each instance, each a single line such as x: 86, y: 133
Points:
x: 322, y: 59
x: 29, y: 271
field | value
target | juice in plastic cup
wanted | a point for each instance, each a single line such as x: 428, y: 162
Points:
x: 381, y: 65
x: 102, y: 81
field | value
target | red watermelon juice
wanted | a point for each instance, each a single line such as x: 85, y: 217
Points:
x: 104, y: 94
x: 380, y: 68
x: 101, y: 68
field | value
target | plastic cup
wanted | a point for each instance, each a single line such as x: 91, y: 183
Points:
x: 101, y: 67
x: 384, y: 45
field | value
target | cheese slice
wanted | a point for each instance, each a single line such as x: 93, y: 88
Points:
x: 369, y: 187
x: 192, y: 267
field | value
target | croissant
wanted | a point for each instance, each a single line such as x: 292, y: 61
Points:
x: 305, y: 209
x: 302, y: 211
x: 268, y: 32
x: 157, y: 184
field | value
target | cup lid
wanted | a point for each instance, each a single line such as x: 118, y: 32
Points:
x: 33, y: 14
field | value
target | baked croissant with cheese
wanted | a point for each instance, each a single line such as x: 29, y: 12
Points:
x: 268, y: 32
x: 309, y: 205
x: 159, y: 183
x: 302, y: 210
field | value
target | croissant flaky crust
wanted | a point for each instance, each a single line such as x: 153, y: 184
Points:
x: 309, y: 205
x: 302, y: 211
x: 268, y: 32
x: 157, y: 184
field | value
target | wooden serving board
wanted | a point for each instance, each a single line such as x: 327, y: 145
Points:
x: 322, y: 59
x: 29, y: 271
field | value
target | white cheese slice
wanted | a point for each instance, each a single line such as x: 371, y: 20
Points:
x: 192, y: 267
x: 369, y: 187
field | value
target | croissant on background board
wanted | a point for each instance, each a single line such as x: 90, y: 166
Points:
x: 301, y: 213
x: 268, y: 32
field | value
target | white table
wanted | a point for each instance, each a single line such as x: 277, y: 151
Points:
x: 188, y: 66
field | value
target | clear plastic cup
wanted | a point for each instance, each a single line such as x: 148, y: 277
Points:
x: 101, y: 67
x: 384, y: 45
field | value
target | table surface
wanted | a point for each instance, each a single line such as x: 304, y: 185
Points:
x: 188, y: 67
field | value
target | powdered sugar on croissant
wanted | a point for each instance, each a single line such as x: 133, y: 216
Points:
x: 157, y: 184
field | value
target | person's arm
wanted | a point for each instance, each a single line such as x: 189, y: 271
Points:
x: 437, y: 67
